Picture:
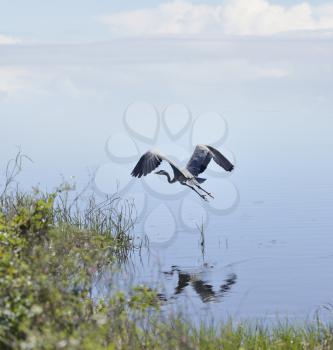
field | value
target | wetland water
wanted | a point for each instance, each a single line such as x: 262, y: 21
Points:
x: 256, y: 262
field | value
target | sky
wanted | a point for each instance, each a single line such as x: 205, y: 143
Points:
x: 69, y: 70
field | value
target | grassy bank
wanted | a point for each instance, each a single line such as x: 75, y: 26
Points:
x: 52, y: 252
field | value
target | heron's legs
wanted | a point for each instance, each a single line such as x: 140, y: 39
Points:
x: 200, y: 188
x: 192, y: 188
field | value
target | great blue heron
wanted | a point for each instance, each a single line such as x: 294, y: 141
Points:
x: 188, y: 176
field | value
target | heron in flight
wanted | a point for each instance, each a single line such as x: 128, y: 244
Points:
x: 188, y: 176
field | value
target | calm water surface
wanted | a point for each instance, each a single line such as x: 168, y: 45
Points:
x: 269, y: 258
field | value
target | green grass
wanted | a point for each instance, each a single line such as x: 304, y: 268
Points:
x: 53, y: 250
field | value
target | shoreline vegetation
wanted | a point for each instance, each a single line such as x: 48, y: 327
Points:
x: 53, y: 250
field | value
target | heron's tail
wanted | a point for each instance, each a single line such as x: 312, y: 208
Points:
x: 200, y: 180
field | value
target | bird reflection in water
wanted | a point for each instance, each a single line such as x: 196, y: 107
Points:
x: 204, y: 290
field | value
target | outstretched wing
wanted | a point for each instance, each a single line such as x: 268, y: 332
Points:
x: 199, y: 160
x: 220, y: 159
x: 201, y: 157
x: 150, y: 161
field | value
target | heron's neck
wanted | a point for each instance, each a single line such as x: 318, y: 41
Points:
x: 171, y: 181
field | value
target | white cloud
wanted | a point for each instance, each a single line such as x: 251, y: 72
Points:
x: 8, y: 40
x: 233, y: 17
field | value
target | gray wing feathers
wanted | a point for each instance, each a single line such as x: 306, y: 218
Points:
x: 146, y: 164
x: 220, y: 159
x: 201, y: 157
x: 149, y: 162
x: 199, y: 160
